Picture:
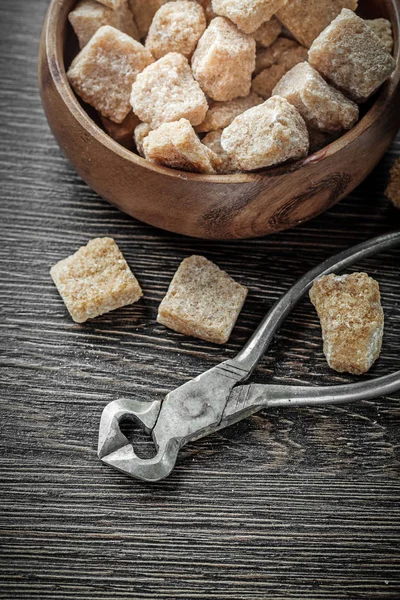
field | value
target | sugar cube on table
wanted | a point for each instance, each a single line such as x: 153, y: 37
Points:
x: 143, y: 13
x: 95, y: 280
x: 176, y: 27
x: 248, y: 15
x: 221, y: 114
x: 112, y: 3
x: 267, y: 33
x: 264, y: 83
x: 351, y: 319
x: 213, y: 141
x: 166, y: 91
x: 383, y: 29
x: 305, y: 19
x: 393, y: 188
x: 122, y: 132
x: 266, y: 135
x: 140, y: 134
x: 176, y: 145
x: 351, y: 57
x: 321, y: 106
x: 103, y: 72
x: 202, y: 301
x: 224, y: 61
x: 266, y: 57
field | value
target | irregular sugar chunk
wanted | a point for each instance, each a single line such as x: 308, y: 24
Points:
x: 143, y: 12
x: 266, y: 57
x: 321, y: 106
x: 166, y: 91
x: 202, y: 301
x: 266, y: 135
x: 112, y: 3
x: 383, y: 29
x: 224, y: 61
x: 176, y: 145
x: 176, y: 27
x: 267, y: 33
x: 141, y: 133
x: 264, y: 83
x: 305, y: 19
x: 248, y: 15
x: 95, y: 280
x: 103, y: 72
x: 350, y: 56
x: 393, y: 188
x: 122, y: 132
x: 352, y: 320
x: 88, y: 16
x: 213, y: 141
x: 221, y: 114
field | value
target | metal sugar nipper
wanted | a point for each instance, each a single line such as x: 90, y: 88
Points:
x: 217, y: 398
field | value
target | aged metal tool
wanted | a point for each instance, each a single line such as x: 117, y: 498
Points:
x: 216, y: 399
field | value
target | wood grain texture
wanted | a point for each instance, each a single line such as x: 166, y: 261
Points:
x: 287, y: 505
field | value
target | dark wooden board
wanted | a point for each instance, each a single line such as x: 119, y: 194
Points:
x: 290, y: 504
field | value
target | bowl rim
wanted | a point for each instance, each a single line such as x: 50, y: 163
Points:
x: 55, y: 46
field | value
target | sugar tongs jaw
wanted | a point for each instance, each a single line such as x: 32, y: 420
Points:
x: 216, y: 399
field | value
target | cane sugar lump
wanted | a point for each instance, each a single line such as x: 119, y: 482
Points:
x: 352, y: 320
x: 266, y: 135
x: 177, y: 146
x: 351, y: 57
x: 248, y: 15
x: 224, y: 61
x: 166, y: 91
x: 383, y: 29
x: 202, y: 301
x: 88, y: 16
x: 393, y: 188
x: 95, y: 280
x: 122, y: 132
x: 140, y: 134
x: 221, y: 114
x: 305, y: 19
x: 176, y: 27
x: 213, y: 141
x: 264, y: 83
x: 103, y: 72
x: 321, y: 106
x: 268, y: 32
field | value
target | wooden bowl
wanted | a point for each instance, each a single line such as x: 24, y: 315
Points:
x: 212, y: 206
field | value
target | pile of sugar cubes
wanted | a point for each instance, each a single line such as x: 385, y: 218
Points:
x: 221, y: 86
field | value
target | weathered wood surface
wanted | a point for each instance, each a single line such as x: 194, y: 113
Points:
x: 290, y: 504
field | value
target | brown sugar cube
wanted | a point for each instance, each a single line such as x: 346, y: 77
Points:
x: 224, y: 61
x: 103, y: 72
x: 221, y: 114
x: 143, y: 12
x: 383, y: 29
x: 122, y: 132
x: 266, y: 57
x: 266, y: 135
x: 248, y: 15
x: 268, y: 32
x: 166, y: 91
x: 213, y: 141
x: 176, y: 145
x: 202, y: 301
x: 140, y: 134
x: 393, y: 188
x: 305, y: 19
x: 114, y: 4
x: 95, y: 280
x: 264, y: 83
x: 89, y: 16
x: 351, y: 319
x: 176, y: 27
x: 351, y: 57
x: 321, y: 106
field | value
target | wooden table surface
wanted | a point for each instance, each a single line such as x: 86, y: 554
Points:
x: 289, y: 504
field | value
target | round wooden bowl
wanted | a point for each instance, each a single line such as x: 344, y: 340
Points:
x: 212, y: 206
